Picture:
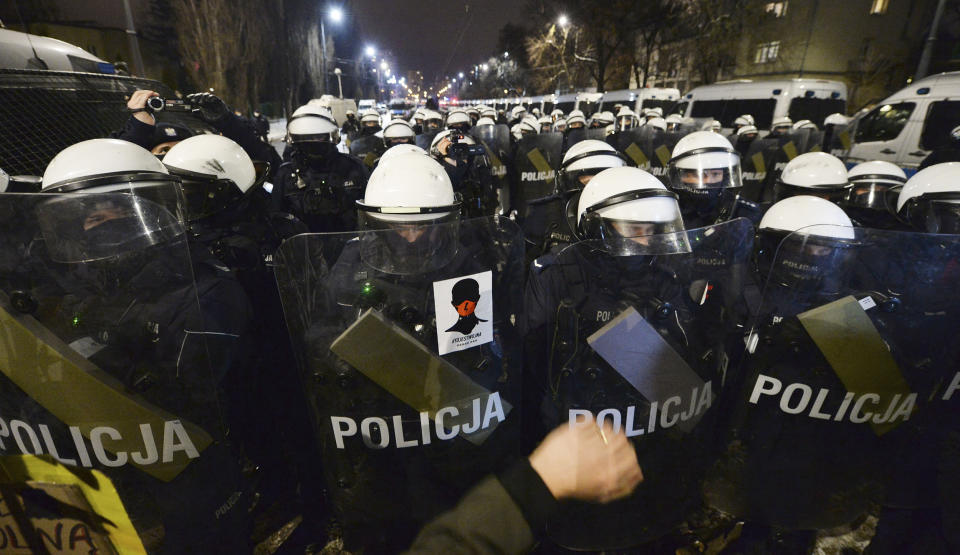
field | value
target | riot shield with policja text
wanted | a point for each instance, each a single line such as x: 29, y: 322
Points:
x: 643, y: 342
x: 109, y: 363
x: 496, y: 140
x: 410, y: 358
x: 536, y: 161
x: 850, y: 364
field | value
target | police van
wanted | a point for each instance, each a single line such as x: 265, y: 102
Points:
x: 24, y: 51
x: 908, y: 126
x: 588, y: 103
x: 812, y: 99
x: 639, y: 99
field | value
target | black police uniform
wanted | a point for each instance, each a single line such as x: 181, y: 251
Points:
x: 321, y: 191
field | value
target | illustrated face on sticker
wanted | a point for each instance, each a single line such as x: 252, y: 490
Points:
x: 466, y: 308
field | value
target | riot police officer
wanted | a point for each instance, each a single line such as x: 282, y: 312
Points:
x: 113, y: 278
x: 813, y: 173
x: 626, y: 119
x: 586, y: 306
x: 398, y: 132
x: 874, y: 188
x: 705, y: 174
x: 781, y: 126
x: 319, y: 183
x: 351, y: 127
x: 744, y: 138
x: 575, y: 120
x: 386, y: 295
x: 467, y: 166
x: 459, y: 120
x: 369, y: 123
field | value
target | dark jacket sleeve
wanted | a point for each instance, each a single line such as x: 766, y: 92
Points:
x: 240, y: 131
x: 136, y: 132
x: 501, y: 515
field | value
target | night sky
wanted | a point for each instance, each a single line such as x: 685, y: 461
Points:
x: 422, y: 33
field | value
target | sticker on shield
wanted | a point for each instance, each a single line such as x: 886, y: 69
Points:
x: 464, y: 310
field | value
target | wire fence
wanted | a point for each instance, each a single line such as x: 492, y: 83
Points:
x: 43, y: 112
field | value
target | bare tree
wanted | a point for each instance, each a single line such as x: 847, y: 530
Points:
x: 714, y: 29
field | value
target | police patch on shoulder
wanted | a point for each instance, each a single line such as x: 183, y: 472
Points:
x: 464, y: 310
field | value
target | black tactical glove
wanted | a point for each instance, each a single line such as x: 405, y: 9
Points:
x: 210, y: 106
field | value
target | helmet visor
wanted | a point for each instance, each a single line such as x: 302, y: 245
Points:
x: 933, y: 212
x: 619, y: 224
x: 706, y: 168
x: 204, y: 194
x: 85, y: 227
x: 405, y: 244
x: 876, y: 194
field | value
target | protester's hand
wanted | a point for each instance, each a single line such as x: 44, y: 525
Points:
x: 583, y: 461
x: 138, y: 101
x: 210, y: 106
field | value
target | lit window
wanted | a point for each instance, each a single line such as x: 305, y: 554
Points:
x: 879, y: 7
x: 778, y: 9
x: 767, y: 52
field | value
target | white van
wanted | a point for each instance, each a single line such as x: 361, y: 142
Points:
x: 338, y: 106
x: 638, y: 99
x: 812, y: 99
x: 907, y: 126
x: 23, y: 51
x: 367, y: 104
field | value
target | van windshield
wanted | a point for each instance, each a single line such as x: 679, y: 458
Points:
x: 816, y: 109
x: 667, y: 105
x: 725, y: 111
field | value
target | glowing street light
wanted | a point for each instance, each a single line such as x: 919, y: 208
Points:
x: 563, y: 21
x: 506, y: 54
x: 461, y: 75
x: 485, y: 67
x: 370, y: 51
x: 336, y: 15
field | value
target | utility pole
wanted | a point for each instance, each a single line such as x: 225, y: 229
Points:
x: 134, y: 45
x: 924, y: 64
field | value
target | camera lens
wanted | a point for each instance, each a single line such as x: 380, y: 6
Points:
x: 155, y: 103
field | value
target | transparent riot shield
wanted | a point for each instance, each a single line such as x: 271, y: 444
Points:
x: 496, y: 140
x: 643, y: 342
x: 108, y: 363
x: 759, y: 174
x: 425, y: 139
x: 536, y: 161
x: 845, y: 383
x: 368, y: 149
x: 410, y: 358
x: 597, y: 134
x: 572, y: 137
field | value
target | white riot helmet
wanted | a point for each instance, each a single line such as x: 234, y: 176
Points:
x: 576, y: 120
x: 836, y: 119
x: 536, y: 112
x: 712, y: 126
x: 143, y: 211
x: 626, y: 119
x: 813, y: 173
x: 315, y: 135
x: 370, y: 119
x: 459, y: 120
x: 432, y: 121
x: 740, y: 122
x: 583, y: 161
x: 747, y: 130
x: 874, y: 187
x: 517, y: 112
x: 653, y: 112
x: 545, y: 123
x: 781, y: 125
x: 704, y: 160
x: 560, y: 125
x: 402, y: 149
x: 532, y: 121
x: 556, y: 114
x: 674, y: 121
x: 398, y: 132
x: 215, y: 172
x: 804, y: 124
x: 631, y: 213
x: 485, y: 121
x: 603, y: 119
x: 515, y: 132
x: 524, y: 128
x: 805, y: 243
x: 411, y: 213
x: 312, y: 109
x: 657, y: 123
x: 488, y: 112
x: 930, y: 200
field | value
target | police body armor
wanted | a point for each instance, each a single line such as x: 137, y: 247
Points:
x: 323, y: 197
x: 411, y: 361
x: 852, y: 349
x: 641, y: 342
x: 110, y: 363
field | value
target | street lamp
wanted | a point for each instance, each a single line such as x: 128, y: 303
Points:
x: 370, y: 51
x: 461, y: 75
x: 336, y: 15
x: 337, y: 72
x: 563, y: 21
x: 383, y: 65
